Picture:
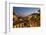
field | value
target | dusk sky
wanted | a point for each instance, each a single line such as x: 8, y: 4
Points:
x: 24, y: 11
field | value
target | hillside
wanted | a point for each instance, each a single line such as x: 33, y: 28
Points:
x: 32, y: 20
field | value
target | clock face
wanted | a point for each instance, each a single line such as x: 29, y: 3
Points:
x: 26, y: 17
